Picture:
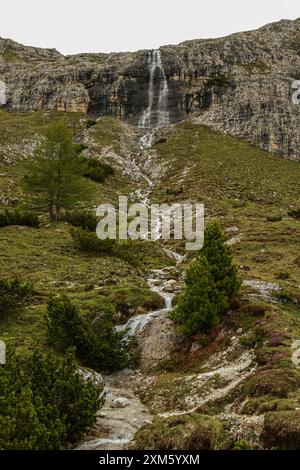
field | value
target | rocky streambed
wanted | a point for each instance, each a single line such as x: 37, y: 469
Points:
x: 123, y: 414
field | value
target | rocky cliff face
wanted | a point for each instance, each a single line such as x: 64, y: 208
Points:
x: 241, y: 84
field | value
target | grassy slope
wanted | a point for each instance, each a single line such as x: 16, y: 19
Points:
x: 46, y: 256
x: 20, y: 131
x: 245, y: 187
x: 239, y: 184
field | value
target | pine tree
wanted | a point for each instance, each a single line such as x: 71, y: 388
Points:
x: 98, y: 344
x: 221, y: 266
x: 13, y: 296
x: 197, y: 308
x: 54, y: 175
x: 211, y: 282
x: 45, y: 402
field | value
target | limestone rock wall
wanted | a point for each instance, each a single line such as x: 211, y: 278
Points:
x: 240, y: 84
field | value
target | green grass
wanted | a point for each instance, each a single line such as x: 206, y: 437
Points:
x: 191, y: 432
x: 245, y: 187
x: 241, y: 186
x: 226, y: 172
x: 47, y: 258
x: 18, y: 131
x: 11, y: 57
x: 255, y: 67
x: 17, y: 126
x: 108, y: 132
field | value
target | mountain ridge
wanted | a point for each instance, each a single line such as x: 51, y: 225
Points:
x: 281, y: 21
x: 240, y: 85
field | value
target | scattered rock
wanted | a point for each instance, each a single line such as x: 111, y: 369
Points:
x: 296, y: 352
x: 264, y: 288
x: 156, y: 341
x: 233, y: 240
x: 120, y: 402
x: 231, y: 230
x: 91, y: 376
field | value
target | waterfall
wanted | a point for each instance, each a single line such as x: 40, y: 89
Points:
x: 156, y: 114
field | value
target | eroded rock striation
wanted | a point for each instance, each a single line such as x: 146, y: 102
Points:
x: 240, y: 84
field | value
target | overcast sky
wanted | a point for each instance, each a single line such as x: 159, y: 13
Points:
x: 73, y: 26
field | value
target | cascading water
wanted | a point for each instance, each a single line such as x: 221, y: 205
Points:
x: 116, y: 427
x: 156, y: 114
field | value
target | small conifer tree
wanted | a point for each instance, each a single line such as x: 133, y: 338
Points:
x: 54, y: 177
x: 197, y: 307
x: 211, y: 282
x: 221, y: 266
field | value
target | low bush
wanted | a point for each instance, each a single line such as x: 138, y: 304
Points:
x: 90, y: 123
x: 45, y: 402
x: 84, y: 219
x: 295, y: 214
x: 89, y: 242
x: 271, y: 357
x: 128, y: 251
x: 97, y: 342
x: 283, y: 296
x: 15, y: 217
x: 130, y: 301
x: 98, y: 171
x: 242, y: 445
x: 283, y: 275
x: 252, y: 340
x: 202, y: 340
x: 13, y: 295
x: 79, y: 148
x: 274, y: 218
